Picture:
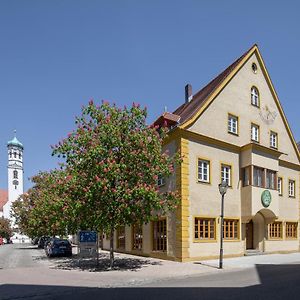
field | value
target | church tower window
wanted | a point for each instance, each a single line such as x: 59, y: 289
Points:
x: 15, y: 154
x: 15, y: 174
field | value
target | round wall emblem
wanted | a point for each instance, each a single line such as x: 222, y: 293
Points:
x: 266, y: 198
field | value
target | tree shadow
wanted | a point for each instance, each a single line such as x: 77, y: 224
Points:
x: 90, y: 264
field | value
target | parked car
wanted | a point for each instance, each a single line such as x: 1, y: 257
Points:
x: 58, y: 247
x: 42, y: 241
x: 35, y: 240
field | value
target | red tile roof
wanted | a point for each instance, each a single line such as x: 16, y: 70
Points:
x: 187, y: 110
x: 168, y: 118
x: 3, y: 198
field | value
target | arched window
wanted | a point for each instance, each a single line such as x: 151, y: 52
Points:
x: 15, y: 154
x: 15, y: 174
x: 254, y: 96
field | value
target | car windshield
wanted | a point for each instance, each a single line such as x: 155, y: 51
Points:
x: 61, y: 242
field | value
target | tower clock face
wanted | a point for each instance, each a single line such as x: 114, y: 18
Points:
x: 15, y: 182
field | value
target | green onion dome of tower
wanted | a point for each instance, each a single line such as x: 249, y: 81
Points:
x: 15, y: 142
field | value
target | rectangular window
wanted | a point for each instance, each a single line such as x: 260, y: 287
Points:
x: 254, y: 132
x: 246, y: 176
x: 231, y: 229
x: 226, y: 174
x: 291, y: 229
x: 279, y: 186
x: 291, y: 188
x: 160, y: 235
x: 275, y: 230
x: 161, y: 180
x: 258, y: 174
x: 273, y: 139
x: 232, y: 124
x: 203, y: 170
x: 121, y: 237
x: 205, y: 229
x: 137, y: 237
x: 270, y: 179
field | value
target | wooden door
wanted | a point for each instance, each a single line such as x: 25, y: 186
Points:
x: 249, y: 235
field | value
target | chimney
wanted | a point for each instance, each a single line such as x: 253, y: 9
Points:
x: 188, y: 93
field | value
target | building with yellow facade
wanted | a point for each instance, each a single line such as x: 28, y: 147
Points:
x: 233, y: 130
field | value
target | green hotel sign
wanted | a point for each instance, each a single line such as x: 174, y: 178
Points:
x: 266, y: 198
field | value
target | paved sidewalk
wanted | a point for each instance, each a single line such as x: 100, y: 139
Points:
x: 135, y: 271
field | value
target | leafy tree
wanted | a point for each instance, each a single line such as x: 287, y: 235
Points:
x: 112, y: 161
x: 42, y: 210
x: 5, y: 228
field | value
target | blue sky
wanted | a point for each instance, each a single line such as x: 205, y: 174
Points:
x: 56, y: 55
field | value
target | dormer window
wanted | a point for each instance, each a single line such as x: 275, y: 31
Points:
x: 254, y: 96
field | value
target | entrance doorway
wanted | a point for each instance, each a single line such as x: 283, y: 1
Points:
x: 249, y: 235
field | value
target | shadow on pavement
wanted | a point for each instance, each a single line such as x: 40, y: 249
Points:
x: 276, y: 282
x: 29, y: 248
x: 90, y: 264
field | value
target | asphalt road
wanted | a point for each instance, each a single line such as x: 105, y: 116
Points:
x: 19, y: 256
x: 262, y: 281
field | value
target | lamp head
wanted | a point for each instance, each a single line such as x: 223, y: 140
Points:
x: 223, y: 186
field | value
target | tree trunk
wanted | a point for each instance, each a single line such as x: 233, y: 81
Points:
x: 111, y: 249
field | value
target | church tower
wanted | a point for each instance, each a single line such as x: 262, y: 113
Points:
x: 15, y: 173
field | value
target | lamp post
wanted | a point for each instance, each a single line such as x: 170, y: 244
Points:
x: 222, y: 189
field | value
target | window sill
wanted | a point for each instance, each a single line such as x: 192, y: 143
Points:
x: 233, y: 240
x: 233, y: 133
x: 256, y: 106
x: 205, y: 241
x: 275, y: 239
x: 204, y: 182
x: 254, y: 141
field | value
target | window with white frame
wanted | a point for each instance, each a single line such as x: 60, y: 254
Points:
x: 279, y: 186
x: 254, y: 96
x: 226, y: 174
x: 273, y: 139
x: 232, y: 124
x: 254, y: 132
x: 203, y: 170
x: 291, y: 188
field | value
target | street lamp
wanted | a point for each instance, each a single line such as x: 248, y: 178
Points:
x: 222, y: 189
